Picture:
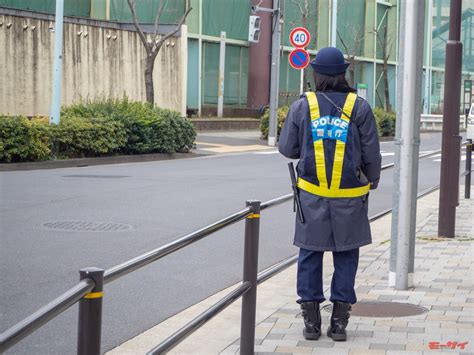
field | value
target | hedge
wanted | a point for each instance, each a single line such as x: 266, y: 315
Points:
x: 80, y: 137
x: 96, y: 128
x: 385, y: 122
x: 22, y: 139
x: 264, y: 122
x: 148, y: 129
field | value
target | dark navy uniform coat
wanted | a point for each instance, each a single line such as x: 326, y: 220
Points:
x: 333, y: 224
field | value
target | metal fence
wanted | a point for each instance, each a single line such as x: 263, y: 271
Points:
x: 89, y: 291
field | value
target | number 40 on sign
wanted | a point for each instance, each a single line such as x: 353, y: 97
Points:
x: 300, y: 37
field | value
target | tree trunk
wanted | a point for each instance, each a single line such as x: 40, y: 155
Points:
x: 352, y: 71
x: 388, y: 105
x: 149, y: 89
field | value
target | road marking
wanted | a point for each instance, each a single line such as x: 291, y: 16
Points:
x: 208, y: 144
x: 267, y: 153
x: 388, y: 154
x: 220, y: 148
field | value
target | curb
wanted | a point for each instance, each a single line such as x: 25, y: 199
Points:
x: 83, y: 162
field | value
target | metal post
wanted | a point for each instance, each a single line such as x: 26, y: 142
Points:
x: 451, y: 149
x: 107, y: 10
x: 275, y: 73
x: 409, y: 108
x: 334, y: 23
x: 249, y: 299
x: 220, y: 95
x: 90, y: 314
x: 302, y: 83
x: 58, y: 58
x: 200, y: 61
x: 467, y: 181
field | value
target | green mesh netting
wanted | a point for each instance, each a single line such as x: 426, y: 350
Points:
x: 231, y: 16
x: 147, y: 11
x: 236, y: 74
x: 75, y: 8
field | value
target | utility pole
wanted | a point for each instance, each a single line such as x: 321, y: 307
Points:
x: 409, y: 106
x: 58, y: 59
x: 451, y: 140
x: 220, y: 89
x: 275, y: 73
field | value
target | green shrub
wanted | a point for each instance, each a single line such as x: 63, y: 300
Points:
x: 149, y: 129
x: 22, y: 139
x: 78, y: 137
x: 264, y: 122
x: 96, y: 128
x: 385, y: 122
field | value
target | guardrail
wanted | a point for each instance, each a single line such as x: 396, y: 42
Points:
x: 435, y: 122
x: 89, y: 291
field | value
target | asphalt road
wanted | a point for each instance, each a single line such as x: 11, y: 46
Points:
x: 161, y: 201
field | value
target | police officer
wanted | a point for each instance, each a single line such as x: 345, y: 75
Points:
x: 333, y: 134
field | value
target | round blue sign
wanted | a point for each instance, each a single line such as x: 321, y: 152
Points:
x: 299, y: 59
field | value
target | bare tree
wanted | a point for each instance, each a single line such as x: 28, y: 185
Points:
x: 306, y: 14
x: 153, y: 42
x: 386, y: 46
x: 351, y: 49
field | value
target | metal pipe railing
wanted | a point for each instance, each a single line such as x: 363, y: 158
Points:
x: 144, y: 259
x: 170, y: 342
x: 31, y: 323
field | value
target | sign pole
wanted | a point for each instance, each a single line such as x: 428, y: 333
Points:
x: 302, y: 82
x: 275, y: 74
x: 220, y: 96
x: 407, y: 143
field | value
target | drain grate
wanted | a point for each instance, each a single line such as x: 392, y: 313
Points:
x: 87, y: 226
x: 97, y: 176
x: 383, y: 309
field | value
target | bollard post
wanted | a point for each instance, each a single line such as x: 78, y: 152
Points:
x: 249, y: 299
x: 467, y: 181
x: 90, y: 314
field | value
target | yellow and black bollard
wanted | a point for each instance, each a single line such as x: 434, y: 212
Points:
x: 90, y: 314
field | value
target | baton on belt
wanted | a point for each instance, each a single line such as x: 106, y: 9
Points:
x: 296, y: 193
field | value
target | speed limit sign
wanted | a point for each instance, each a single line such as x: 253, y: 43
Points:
x: 300, y: 37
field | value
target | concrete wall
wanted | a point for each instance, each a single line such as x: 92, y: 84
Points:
x: 99, y: 59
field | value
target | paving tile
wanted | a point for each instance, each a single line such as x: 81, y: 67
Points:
x: 387, y: 346
x: 321, y: 343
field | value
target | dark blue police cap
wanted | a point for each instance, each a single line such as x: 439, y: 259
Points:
x: 329, y: 61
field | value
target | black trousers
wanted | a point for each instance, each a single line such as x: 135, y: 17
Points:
x: 310, y: 276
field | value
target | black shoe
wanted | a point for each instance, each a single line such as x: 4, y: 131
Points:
x: 312, y: 320
x: 339, y: 320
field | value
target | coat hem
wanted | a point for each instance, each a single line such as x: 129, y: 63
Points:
x: 336, y: 249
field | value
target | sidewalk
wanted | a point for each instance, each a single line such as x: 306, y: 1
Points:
x: 230, y: 142
x: 443, y: 286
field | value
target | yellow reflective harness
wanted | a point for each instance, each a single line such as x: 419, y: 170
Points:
x: 335, y: 190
